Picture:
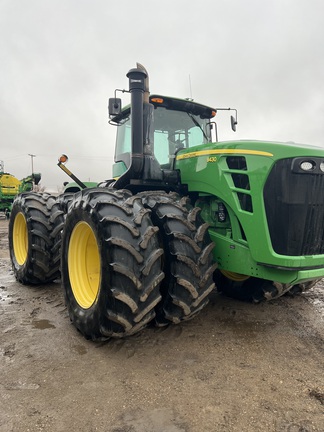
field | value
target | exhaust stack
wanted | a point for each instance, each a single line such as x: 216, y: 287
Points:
x: 143, y: 165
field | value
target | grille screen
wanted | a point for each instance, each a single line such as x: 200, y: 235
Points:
x: 294, y: 204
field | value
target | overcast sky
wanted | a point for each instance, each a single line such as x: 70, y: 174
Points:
x: 61, y: 60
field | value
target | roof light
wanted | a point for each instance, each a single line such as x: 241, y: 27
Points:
x: 213, y: 113
x: 157, y: 100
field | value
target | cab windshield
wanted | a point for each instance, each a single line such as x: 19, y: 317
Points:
x: 172, y: 130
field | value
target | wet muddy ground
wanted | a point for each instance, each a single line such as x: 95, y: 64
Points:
x: 236, y: 367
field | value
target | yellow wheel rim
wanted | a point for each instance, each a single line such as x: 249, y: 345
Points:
x: 236, y: 277
x: 84, y: 265
x: 20, y: 238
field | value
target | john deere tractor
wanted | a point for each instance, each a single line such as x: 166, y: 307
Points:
x: 180, y: 214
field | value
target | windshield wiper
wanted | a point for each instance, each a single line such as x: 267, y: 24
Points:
x: 198, y: 124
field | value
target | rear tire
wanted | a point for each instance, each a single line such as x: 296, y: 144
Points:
x: 30, y: 240
x: 111, y: 264
x: 188, y: 261
x: 58, y: 213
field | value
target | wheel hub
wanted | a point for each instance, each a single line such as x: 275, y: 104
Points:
x: 84, y: 264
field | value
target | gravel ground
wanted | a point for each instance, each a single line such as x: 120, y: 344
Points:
x: 236, y: 367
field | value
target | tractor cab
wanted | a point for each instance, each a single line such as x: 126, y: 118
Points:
x: 173, y: 125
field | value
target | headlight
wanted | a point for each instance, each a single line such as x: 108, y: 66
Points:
x: 308, y: 165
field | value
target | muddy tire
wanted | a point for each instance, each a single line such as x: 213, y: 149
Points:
x: 188, y: 262
x: 58, y: 213
x: 30, y: 240
x: 111, y: 264
x: 252, y: 289
x: 107, y: 183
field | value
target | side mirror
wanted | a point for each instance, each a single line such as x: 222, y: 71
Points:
x: 233, y: 123
x: 114, y: 107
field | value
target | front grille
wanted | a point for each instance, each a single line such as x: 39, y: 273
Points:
x: 294, y: 204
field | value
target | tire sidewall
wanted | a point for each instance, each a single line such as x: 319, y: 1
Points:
x: 86, y: 320
x: 20, y: 270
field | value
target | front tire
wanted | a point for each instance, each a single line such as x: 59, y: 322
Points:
x: 111, y: 264
x: 30, y: 240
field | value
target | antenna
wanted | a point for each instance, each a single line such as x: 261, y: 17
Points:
x: 32, y: 161
x: 190, y: 89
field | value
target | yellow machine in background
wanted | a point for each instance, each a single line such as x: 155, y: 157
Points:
x: 10, y: 186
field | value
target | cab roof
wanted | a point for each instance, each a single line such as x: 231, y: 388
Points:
x: 171, y: 103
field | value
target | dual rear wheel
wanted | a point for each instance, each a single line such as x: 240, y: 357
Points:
x: 31, y: 239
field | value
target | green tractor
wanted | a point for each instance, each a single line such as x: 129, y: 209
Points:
x: 181, y: 215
